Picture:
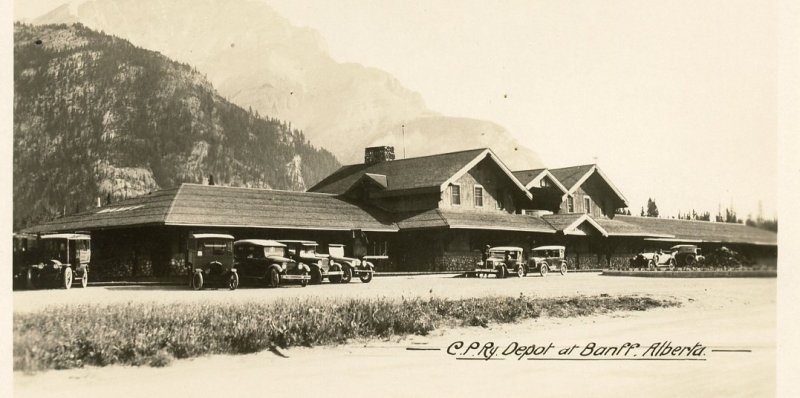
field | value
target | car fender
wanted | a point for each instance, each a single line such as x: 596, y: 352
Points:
x: 368, y: 265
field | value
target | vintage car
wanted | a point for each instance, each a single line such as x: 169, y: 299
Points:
x: 687, y: 255
x: 265, y: 260
x: 502, y: 260
x: 653, y: 259
x: 321, y: 266
x: 362, y: 268
x: 209, y: 258
x: 548, y: 258
x: 62, y: 259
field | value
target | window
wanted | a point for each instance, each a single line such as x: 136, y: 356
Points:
x: 544, y: 183
x: 570, y: 204
x: 478, y: 196
x: 587, y: 204
x: 455, y: 195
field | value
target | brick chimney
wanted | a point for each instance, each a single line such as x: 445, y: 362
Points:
x: 378, y: 154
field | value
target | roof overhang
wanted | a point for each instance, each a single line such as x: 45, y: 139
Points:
x: 291, y: 227
x: 483, y: 155
x: 572, y: 229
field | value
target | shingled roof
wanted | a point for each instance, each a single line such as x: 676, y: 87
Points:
x: 218, y: 206
x: 568, y: 223
x: 425, y: 173
x: 703, y: 231
x: 569, y: 176
x: 438, y: 218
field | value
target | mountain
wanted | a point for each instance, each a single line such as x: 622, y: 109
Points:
x: 256, y: 58
x: 97, y: 117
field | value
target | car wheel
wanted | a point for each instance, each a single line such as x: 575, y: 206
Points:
x: 273, y: 278
x: 85, y: 279
x: 543, y: 269
x: 689, y: 261
x: 197, y: 281
x: 316, y: 276
x: 304, y: 282
x: 501, y: 272
x: 563, y: 268
x: 521, y: 271
x: 67, y: 278
x: 347, y: 275
x: 30, y: 279
x: 651, y: 264
x: 365, y: 277
x: 233, y: 280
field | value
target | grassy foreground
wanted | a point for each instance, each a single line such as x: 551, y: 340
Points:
x: 153, y: 334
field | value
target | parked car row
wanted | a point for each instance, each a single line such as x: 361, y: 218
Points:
x: 503, y: 261
x: 219, y: 260
x: 676, y: 256
x: 212, y: 260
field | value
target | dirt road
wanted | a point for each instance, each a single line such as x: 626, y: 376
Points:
x: 722, y: 314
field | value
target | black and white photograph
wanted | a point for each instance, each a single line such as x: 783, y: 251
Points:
x: 359, y: 198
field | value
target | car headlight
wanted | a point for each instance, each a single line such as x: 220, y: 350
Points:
x: 356, y: 263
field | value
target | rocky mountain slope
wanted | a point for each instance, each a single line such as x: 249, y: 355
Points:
x: 97, y: 117
x: 256, y: 58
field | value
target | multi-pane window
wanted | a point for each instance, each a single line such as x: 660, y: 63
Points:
x: 587, y: 205
x: 455, y: 194
x: 570, y: 204
x: 478, y: 196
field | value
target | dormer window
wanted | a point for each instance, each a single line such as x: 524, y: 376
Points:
x: 478, y: 196
x: 544, y: 183
x: 455, y: 195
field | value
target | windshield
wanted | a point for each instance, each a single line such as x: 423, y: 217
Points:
x: 54, y: 249
x: 215, y: 246
x: 309, y: 251
x: 247, y: 251
x: 273, y: 251
x: 337, y: 251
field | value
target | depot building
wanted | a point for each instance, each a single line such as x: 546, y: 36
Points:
x: 430, y: 213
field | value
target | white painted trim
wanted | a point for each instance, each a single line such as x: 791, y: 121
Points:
x: 603, y: 176
x: 579, y: 221
x: 585, y: 210
x: 547, y: 173
x: 486, y: 153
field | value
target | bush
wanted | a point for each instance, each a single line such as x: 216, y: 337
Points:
x: 73, y: 336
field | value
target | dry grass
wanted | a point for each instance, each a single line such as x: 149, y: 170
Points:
x: 72, y: 336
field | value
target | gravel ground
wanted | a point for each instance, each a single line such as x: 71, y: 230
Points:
x: 413, y: 286
x: 736, y: 314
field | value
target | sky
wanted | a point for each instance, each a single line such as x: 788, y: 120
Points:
x: 674, y: 100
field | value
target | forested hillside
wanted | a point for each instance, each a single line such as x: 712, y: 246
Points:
x: 96, y: 117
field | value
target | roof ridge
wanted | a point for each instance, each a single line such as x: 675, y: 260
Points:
x: 423, y: 156
x: 699, y: 221
x: 259, y: 189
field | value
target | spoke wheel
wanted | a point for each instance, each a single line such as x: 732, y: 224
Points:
x: 197, y: 281
x: 543, y: 269
x: 85, y: 279
x: 347, y: 275
x: 563, y: 268
x: 273, y: 278
x: 67, y: 281
x: 365, y: 277
x: 233, y: 281
x: 521, y: 271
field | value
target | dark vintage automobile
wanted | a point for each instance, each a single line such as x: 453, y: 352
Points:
x: 321, y: 266
x: 209, y: 258
x: 502, y: 261
x: 548, y: 258
x: 60, y: 260
x: 362, y: 268
x: 265, y: 260
x: 687, y: 255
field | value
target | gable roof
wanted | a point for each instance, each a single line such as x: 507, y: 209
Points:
x: 218, y: 206
x: 568, y: 223
x: 703, y: 231
x: 426, y: 173
x: 530, y: 178
x: 573, y: 177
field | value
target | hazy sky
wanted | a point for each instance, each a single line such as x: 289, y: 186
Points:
x: 676, y: 99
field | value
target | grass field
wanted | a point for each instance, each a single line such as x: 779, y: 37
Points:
x: 71, y: 336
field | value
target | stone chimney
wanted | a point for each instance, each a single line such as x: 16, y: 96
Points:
x: 378, y: 154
